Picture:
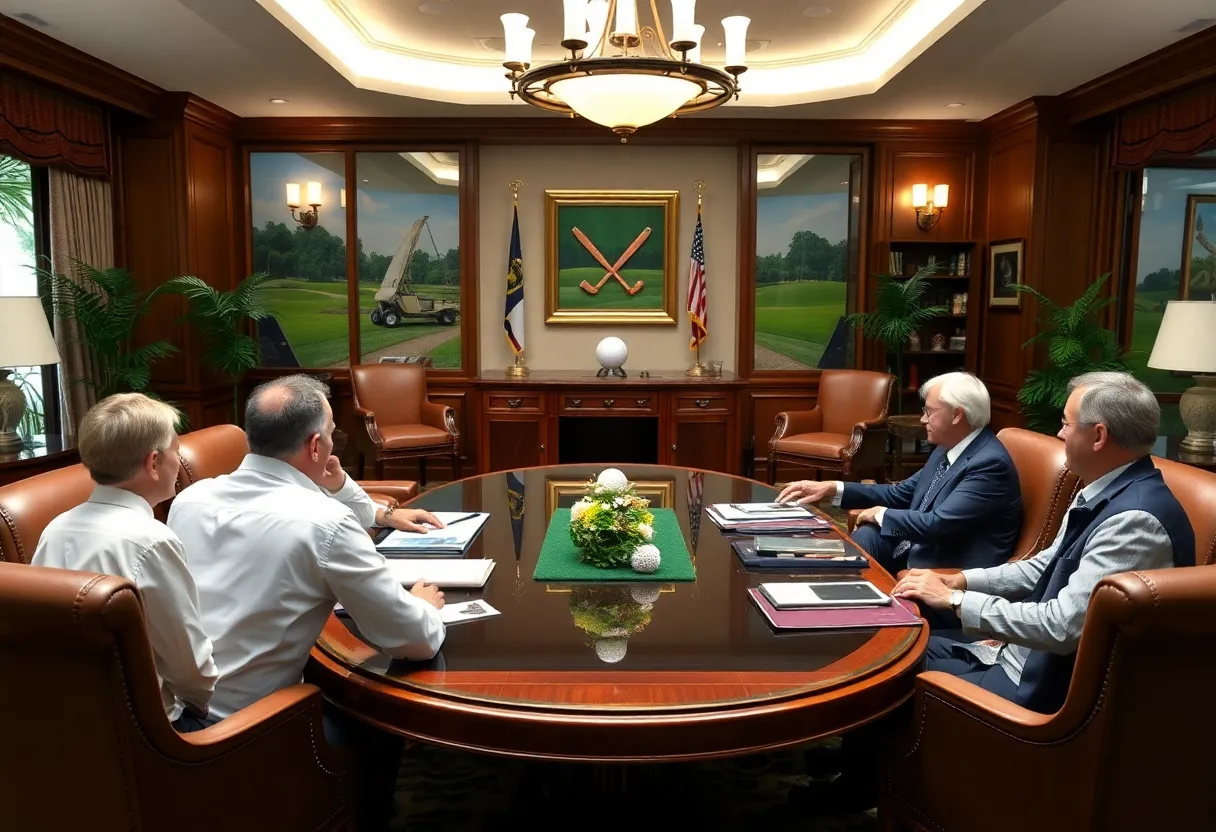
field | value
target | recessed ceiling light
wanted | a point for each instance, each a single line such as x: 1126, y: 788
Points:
x: 278, y: 101
x: 366, y: 180
x: 954, y: 105
x: 433, y: 8
x: 816, y: 11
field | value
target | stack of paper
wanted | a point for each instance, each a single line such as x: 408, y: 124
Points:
x: 461, y: 529
x: 765, y: 518
x: 465, y: 611
x: 462, y: 573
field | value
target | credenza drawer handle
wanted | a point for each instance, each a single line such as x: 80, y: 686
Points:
x: 609, y: 402
x: 673, y: 447
x: 701, y: 402
x: 641, y: 402
x: 542, y: 446
x: 514, y: 402
x: 576, y: 402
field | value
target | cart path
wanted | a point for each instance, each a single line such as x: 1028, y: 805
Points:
x: 415, y: 346
x: 767, y: 359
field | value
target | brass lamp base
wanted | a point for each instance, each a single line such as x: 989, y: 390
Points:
x: 12, y: 408
x: 1198, y: 410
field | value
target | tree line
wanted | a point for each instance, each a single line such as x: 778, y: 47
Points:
x: 809, y: 257
x: 319, y: 256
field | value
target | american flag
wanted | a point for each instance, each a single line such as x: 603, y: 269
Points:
x: 696, y: 288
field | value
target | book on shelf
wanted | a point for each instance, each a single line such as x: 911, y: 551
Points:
x: 899, y: 614
x: 460, y: 573
x: 461, y: 529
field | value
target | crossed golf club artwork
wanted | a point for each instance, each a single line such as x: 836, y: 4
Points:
x: 613, y: 269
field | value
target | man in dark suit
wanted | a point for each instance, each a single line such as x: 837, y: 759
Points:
x: 962, y: 510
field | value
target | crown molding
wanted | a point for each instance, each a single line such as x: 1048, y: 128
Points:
x: 1189, y: 61
x: 25, y: 50
x: 199, y: 110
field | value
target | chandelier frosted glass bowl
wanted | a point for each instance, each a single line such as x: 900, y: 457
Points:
x: 622, y: 75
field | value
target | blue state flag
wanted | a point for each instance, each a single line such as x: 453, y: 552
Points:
x: 513, y: 318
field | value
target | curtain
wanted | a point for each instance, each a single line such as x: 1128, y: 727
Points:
x: 1173, y: 127
x: 82, y: 229
x: 45, y: 127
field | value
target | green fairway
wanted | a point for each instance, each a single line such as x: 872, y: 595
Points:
x: 797, y: 319
x: 612, y: 294
x: 1150, y: 307
x: 313, y: 316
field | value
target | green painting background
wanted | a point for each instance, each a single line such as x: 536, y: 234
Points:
x: 612, y: 228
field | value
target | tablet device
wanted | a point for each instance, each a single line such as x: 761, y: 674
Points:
x: 793, y: 596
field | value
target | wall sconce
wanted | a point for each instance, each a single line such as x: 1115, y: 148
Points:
x: 308, y: 219
x: 929, y: 211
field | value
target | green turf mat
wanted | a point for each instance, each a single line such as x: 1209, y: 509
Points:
x: 559, y: 556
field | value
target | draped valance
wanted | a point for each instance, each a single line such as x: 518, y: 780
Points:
x: 1173, y: 127
x: 46, y: 127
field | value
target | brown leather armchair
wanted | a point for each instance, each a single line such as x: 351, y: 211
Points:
x: 217, y: 450
x: 28, y: 505
x: 1123, y: 753
x: 401, y: 422
x: 1195, y: 489
x: 845, y: 433
x: 87, y: 745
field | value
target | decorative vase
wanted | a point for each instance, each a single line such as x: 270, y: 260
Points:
x: 939, y: 343
x: 914, y: 341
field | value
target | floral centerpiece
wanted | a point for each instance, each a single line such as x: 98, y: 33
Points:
x: 610, y: 615
x: 613, y: 526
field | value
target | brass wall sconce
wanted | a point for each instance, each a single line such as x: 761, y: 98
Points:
x: 308, y: 219
x: 929, y: 210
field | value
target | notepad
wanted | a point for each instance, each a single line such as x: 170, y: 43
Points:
x: 454, y: 539
x: 465, y: 611
x: 759, y: 511
x: 791, y: 546
x: 462, y: 573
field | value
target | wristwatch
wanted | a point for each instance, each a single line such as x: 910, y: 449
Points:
x: 388, y: 512
x: 956, y: 599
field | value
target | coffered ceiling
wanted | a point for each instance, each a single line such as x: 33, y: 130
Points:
x: 808, y: 58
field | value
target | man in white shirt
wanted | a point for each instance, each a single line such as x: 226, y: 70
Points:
x: 276, y: 543
x: 128, y: 442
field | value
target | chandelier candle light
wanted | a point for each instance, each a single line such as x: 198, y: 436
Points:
x: 603, y: 81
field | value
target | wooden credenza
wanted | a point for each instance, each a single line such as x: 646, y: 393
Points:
x: 696, y: 419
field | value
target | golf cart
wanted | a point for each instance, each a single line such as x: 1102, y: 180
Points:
x: 396, y: 299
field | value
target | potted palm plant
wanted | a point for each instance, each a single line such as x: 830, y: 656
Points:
x: 1076, y: 343
x: 898, y: 312
x: 223, y: 318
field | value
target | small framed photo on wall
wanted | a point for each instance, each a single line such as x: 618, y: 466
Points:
x: 1006, y: 260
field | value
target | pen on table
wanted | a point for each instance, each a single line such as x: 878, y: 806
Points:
x: 466, y: 517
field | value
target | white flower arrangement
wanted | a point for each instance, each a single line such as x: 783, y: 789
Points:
x: 612, y: 522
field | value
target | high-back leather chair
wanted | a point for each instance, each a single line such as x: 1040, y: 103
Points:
x: 217, y: 450
x: 401, y: 422
x: 28, y: 505
x: 845, y: 433
x: 1195, y: 489
x: 87, y: 744
x: 1048, y: 487
x: 1123, y: 753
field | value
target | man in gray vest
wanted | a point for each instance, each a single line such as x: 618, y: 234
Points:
x: 1029, y: 614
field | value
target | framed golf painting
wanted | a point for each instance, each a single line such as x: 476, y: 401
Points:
x: 611, y: 257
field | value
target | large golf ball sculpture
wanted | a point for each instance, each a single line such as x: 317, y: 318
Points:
x: 611, y: 353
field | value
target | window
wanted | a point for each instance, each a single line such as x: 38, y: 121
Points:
x: 22, y: 233
x: 307, y: 293
x: 807, y: 208
x: 408, y: 216
x: 1158, y: 278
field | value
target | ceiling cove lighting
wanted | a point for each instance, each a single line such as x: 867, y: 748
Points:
x: 621, y: 74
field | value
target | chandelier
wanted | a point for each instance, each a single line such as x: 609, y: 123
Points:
x: 620, y: 74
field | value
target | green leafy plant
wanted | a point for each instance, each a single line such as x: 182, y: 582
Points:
x: 1076, y: 343
x: 609, y: 523
x: 223, y: 319
x: 899, y: 310
x: 108, y: 305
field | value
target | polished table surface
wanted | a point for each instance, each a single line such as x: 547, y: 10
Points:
x: 694, y: 672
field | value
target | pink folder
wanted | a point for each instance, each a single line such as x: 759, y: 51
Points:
x: 899, y: 613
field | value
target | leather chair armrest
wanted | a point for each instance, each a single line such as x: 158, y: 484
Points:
x: 854, y: 513
x: 963, y: 700
x: 941, y: 571
x: 867, y: 446
x: 390, y: 492
x: 439, y: 416
x: 369, y: 422
x: 794, y: 422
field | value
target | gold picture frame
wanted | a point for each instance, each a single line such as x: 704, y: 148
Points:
x: 611, y: 257
x: 661, y: 493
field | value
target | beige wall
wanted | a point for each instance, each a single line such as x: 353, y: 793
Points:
x: 541, y: 168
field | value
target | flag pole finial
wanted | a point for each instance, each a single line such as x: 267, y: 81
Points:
x: 700, y: 186
x: 515, y: 185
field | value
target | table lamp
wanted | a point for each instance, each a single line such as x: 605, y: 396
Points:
x: 1186, y: 342
x: 25, y: 341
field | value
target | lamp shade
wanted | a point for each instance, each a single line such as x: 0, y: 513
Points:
x: 25, y: 338
x: 1186, y: 341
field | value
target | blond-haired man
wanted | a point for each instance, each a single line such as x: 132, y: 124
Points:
x: 128, y: 442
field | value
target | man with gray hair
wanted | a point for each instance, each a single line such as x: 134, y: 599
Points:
x: 1030, y: 613
x: 274, y: 545
x: 963, y: 509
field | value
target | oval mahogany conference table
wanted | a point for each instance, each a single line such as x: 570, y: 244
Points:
x: 694, y: 671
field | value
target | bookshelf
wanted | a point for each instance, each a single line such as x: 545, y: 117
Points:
x: 945, y: 342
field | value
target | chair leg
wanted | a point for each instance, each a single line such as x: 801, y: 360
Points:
x: 421, y: 472
x: 359, y: 463
x: 772, y: 470
x: 456, y: 464
x: 379, y: 467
